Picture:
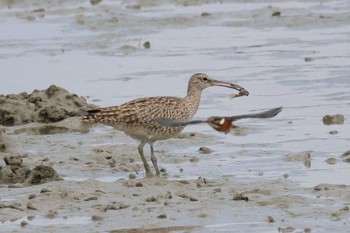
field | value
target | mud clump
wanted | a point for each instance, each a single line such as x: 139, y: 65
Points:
x: 17, y: 172
x: 14, y: 171
x: 337, y: 119
x: 45, y: 106
x: 42, y: 174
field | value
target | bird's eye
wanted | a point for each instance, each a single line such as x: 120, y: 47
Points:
x: 204, y: 79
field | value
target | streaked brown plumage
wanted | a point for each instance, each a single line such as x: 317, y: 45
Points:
x: 221, y: 124
x: 138, y: 118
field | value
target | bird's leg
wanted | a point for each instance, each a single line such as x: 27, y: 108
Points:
x: 154, y: 160
x: 145, y: 164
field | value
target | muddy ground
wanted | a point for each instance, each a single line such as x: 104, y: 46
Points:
x: 288, y: 174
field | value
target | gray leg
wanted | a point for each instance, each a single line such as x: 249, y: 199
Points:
x: 145, y: 164
x: 154, y: 160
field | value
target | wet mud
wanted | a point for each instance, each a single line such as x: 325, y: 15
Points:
x: 285, y: 174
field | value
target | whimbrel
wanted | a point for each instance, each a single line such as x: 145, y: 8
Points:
x: 222, y: 124
x: 138, y: 118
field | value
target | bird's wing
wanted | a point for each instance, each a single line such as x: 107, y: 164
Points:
x: 174, y: 122
x: 267, y: 114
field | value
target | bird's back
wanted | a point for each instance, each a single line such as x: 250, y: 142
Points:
x: 137, y: 118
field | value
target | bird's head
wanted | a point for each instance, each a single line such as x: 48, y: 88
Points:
x: 201, y: 81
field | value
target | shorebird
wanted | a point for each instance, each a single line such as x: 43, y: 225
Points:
x: 221, y: 124
x: 138, y: 118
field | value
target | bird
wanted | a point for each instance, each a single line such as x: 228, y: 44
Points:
x: 219, y: 123
x: 138, y: 118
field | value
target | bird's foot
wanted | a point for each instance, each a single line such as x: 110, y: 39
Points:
x: 149, y: 174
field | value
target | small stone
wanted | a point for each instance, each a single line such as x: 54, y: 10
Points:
x: 93, y: 198
x: 95, y: 2
x: 181, y: 170
x: 193, y: 199
x: 44, y: 190
x: 205, y: 14
x: 240, y: 197
x: 138, y: 184
x: 162, y: 216
x: 32, y: 196
x: 276, y: 13
x: 331, y: 161
x: 308, y: 59
x: 307, y: 230
x: 96, y: 218
x: 162, y: 170
x: 147, y: 45
x: 30, y: 206
x: 270, y: 219
x: 132, y: 176
x: 333, y: 132
x: 168, y: 195
x: 285, y: 176
x: 150, y: 199
x: 201, y: 182
x: 205, y: 150
x: 24, y: 223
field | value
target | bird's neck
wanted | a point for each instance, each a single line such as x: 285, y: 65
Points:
x: 191, y: 101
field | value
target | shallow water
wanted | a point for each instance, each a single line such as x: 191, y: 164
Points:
x: 299, y: 61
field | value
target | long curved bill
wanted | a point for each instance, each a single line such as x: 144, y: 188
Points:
x: 242, y: 90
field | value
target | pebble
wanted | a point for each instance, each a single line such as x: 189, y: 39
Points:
x: 44, y: 190
x: 168, y: 195
x: 276, y: 13
x: 162, y: 216
x: 30, y: 206
x: 24, y: 223
x: 96, y: 218
x: 150, y: 199
x: 333, y: 132
x: 147, y: 45
x: 205, y: 14
x: 205, y: 150
x: 240, y: 197
x: 331, y: 161
x: 138, y: 184
x: 32, y: 196
x: 270, y: 219
x: 93, y: 198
